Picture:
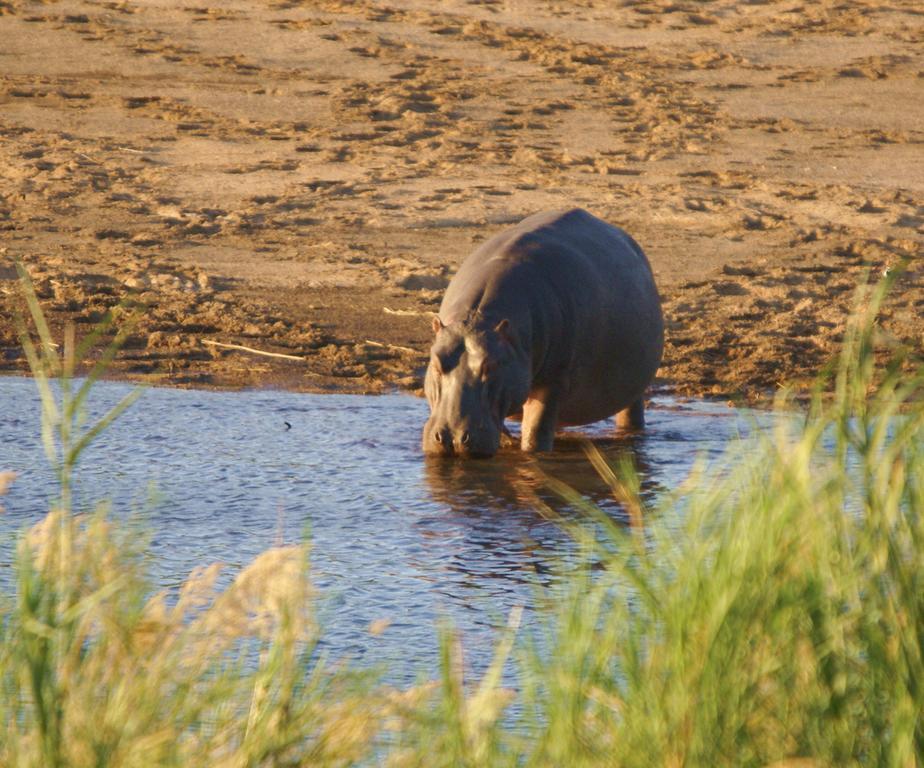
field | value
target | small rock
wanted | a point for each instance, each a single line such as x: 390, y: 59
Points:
x: 136, y: 282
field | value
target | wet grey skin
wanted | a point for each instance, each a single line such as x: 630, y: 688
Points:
x: 555, y: 321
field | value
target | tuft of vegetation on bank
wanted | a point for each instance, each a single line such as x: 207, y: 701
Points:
x: 769, y: 612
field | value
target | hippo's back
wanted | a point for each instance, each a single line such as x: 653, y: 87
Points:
x: 569, y: 247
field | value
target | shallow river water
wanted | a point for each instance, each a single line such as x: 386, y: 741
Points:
x: 219, y: 476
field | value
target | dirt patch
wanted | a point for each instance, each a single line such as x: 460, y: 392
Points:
x: 304, y: 178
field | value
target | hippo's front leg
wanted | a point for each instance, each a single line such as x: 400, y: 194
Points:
x: 540, y: 417
x: 633, y: 417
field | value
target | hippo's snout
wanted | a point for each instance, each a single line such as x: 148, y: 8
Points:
x: 444, y: 441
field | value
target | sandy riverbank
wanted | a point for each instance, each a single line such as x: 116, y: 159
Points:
x: 304, y: 177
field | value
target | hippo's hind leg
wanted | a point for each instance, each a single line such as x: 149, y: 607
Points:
x: 632, y: 417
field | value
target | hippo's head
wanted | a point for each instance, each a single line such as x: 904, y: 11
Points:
x: 476, y: 377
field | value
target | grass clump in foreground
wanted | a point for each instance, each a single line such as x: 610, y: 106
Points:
x: 771, y: 612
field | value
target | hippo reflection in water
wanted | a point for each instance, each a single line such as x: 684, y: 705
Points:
x: 556, y: 321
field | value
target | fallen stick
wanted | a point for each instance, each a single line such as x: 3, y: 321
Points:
x: 396, y: 347
x: 406, y: 312
x: 251, y: 350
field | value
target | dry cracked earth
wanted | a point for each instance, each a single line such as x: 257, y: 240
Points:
x: 304, y: 178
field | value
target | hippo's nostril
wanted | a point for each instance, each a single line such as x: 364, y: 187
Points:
x: 438, y: 437
x: 466, y: 438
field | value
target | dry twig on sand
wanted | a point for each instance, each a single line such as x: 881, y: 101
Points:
x: 242, y: 348
x: 407, y: 312
x: 396, y: 347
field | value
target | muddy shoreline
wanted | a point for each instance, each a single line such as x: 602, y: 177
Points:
x: 304, y: 178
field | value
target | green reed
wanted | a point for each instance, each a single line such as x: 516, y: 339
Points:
x: 97, y: 668
x: 768, y: 612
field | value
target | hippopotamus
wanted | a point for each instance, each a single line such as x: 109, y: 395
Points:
x: 555, y: 321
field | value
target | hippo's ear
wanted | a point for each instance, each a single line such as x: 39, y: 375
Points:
x: 506, y: 332
x: 437, y: 324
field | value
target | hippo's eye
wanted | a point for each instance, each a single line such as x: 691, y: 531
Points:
x: 488, y: 367
x: 444, y: 362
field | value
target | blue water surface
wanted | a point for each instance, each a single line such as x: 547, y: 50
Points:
x: 221, y: 476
